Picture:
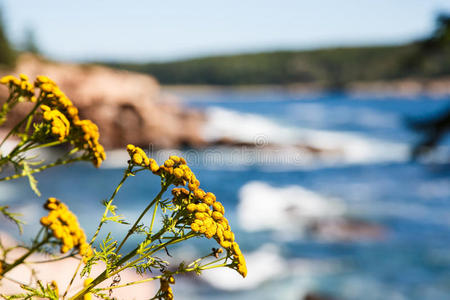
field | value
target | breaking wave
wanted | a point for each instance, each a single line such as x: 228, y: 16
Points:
x: 283, y: 209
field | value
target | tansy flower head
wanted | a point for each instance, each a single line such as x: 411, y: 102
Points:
x: 87, y: 282
x: 21, y: 86
x: 64, y: 226
x: 165, y: 289
x: 41, y: 79
x: 54, y: 286
x: 87, y: 137
x: 203, y: 214
x: 140, y: 158
x: 63, y: 116
x: 60, y: 126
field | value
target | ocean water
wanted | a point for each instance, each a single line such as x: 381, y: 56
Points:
x: 359, y: 220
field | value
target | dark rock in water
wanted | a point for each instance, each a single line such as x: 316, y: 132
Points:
x: 347, y: 230
x: 318, y: 296
x: 229, y: 142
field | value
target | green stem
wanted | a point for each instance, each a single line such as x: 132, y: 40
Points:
x: 110, y: 200
x: 161, y: 246
x: 23, y: 257
x: 20, y: 123
x: 54, y: 164
x: 153, y: 202
x: 157, y: 277
x: 130, y: 283
x: 213, y: 262
x: 72, y: 279
x: 104, y: 275
x: 100, y: 278
x: 213, y: 267
x: 153, y: 217
x: 51, y: 144
x: 6, y: 107
x: 52, y: 260
x: 17, y: 149
x: 108, y: 205
x: 29, y: 120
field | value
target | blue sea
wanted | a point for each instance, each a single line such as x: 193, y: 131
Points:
x: 356, y: 218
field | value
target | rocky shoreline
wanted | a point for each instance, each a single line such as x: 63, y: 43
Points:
x: 128, y: 107
x: 133, y: 108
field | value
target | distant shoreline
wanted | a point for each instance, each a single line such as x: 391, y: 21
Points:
x: 405, y: 88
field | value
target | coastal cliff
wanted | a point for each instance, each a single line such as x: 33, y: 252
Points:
x: 128, y: 107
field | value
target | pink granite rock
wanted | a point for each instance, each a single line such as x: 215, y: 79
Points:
x: 128, y: 107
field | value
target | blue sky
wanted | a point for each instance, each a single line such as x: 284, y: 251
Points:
x: 165, y: 30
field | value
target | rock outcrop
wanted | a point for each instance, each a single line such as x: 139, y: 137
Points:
x: 128, y: 107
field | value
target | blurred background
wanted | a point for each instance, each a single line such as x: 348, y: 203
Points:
x: 321, y: 125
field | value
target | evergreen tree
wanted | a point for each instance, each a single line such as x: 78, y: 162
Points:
x: 7, y: 54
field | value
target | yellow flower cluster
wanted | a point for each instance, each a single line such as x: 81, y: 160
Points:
x: 209, y: 222
x: 166, y: 290
x: 22, y: 85
x: 139, y: 158
x: 54, y: 286
x: 85, y: 132
x: 59, y: 122
x: 87, y: 282
x: 56, y: 98
x: 204, y: 220
x: 65, y: 227
x: 212, y: 223
x: 174, y: 166
x: 90, y: 141
x: 182, y: 174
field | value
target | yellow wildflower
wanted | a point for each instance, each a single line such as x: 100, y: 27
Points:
x: 217, y: 206
x: 139, y: 157
x: 209, y: 198
x: 89, y: 139
x: 21, y: 86
x: 204, y: 214
x: 40, y: 79
x: 9, y: 79
x: 166, y: 290
x: 57, y: 106
x: 239, y: 259
x: 64, y: 225
x: 54, y: 286
x: 60, y: 124
x: 86, y: 283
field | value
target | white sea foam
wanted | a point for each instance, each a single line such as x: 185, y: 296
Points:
x: 286, y: 146
x: 341, y: 147
x: 263, y: 264
x: 116, y: 159
x: 268, y: 264
x: 283, y: 209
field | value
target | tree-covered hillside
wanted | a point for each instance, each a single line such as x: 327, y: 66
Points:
x: 332, y: 68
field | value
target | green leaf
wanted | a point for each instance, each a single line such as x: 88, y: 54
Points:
x: 12, y: 217
x: 31, y: 180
